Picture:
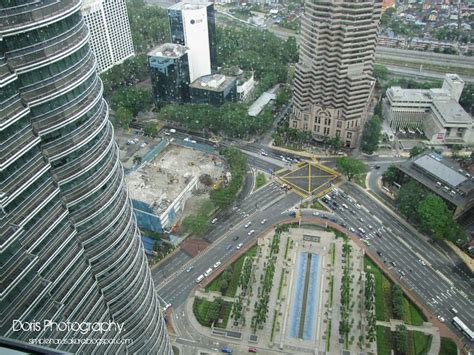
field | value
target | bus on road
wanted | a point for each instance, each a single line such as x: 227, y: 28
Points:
x: 463, y: 328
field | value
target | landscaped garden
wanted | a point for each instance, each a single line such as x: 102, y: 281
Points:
x: 207, y: 312
x: 403, y: 342
x: 448, y: 347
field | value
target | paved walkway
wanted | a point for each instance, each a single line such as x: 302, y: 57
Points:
x: 211, y: 296
x: 426, y: 328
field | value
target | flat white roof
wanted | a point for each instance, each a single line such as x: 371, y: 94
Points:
x: 260, y: 103
x: 441, y: 171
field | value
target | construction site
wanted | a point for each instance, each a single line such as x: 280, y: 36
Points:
x: 175, y: 175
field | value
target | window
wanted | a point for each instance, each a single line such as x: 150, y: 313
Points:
x: 349, y: 135
x: 295, y: 124
x: 305, y: 126
x: 327, y: 121
x: 338, y: 133
x: 326, y: 130
x: 339, y: 124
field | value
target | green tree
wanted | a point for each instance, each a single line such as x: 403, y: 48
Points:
x: 416, y: 150
x: 390, y: 175
x: 467, y: 98
x: 371, y: 135
x: 133, y: 99
x: 214, y: 310
x: 223, y: 285
x: 150, y: 130
x: 434, y: 216
x: 408, y: 197
x: 137, y: 160
x: 335, y: 144
x: 380, y: 72
x: 401, y: 339
x: 123, y: 117
x: 196, y: 224
x: 350, y: 166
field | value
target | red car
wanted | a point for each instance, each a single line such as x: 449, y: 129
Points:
x: 252, y: 350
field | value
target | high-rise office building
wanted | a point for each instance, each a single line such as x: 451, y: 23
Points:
x: 169, y: 72
x: 193, y: 24
x: 70, y: 247
x: 110, y: 35
x: 333, y: 80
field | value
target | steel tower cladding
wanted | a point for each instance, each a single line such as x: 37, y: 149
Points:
x: 333, y: 80
x: 70, y: 247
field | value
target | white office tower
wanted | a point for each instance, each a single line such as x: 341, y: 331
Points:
x: 193, y: 25
x: 111, y: 38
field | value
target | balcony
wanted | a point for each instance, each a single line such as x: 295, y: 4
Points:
x: 33, y: 13
x: 99, y: 202
x: 84, y: 162
x: 77, y: 138
x: 25, y: 140
x: 12, y: 109
x: 18, y: 265
x: 24, y: 175
x: 94, y: 182
x: 60, y: 45
x: 65, y: 114
x: 60, y: 83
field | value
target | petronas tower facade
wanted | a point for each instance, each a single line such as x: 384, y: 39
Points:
x: 70, y: 246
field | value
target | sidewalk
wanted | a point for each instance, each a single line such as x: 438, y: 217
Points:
x: 426, y: 328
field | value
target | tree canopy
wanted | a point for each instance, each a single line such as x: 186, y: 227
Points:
x: 133, y: 99
x: 416, y: 150
x: 350, y: 166
x: 371, y: 135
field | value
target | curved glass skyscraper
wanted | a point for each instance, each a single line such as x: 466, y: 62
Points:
x: 70, y: 247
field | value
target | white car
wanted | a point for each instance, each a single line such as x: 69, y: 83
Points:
x: 251, y: 232
x: 370, y: 227
x: 316, y: 213
x: 352, y: 230
x: 345, y: 206
x: 214, y: 220
x: 239, y: 246
x: 358, y: 206
x: 217, y: 264
x: 172, y: 130
x: 189, y: 269
x: 441, y: 319
x: 208, y: 272
x: 265, y: 154
x: 422, y: 262
x: 263, y: 221
x: 168, y: 305
x: 248, y: 224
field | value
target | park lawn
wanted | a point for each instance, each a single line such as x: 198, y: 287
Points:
x: 201, y: 307
x: 420, y: 342
x: 360, y: 180
x: 383, y: 340
x: 382, y: 291
x: 234, y: 280
x: 383, y: 298
x: 260, y: 180
x: 318, y: 206
x: 448, y: 347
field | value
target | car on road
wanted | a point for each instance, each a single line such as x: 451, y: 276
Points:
x: 316, y: 213
x: 251, y: 232
x: 361, y: 230
x: 208, y: 272
x: 366, y: 242
x: 352, y: 230
x: 333, y: 219
x: 343, y: 224
x: 236, y: 238
x: 189, y: 269
x: 263, y: 221
x: 172, y: 130
x: 239, y: 246
x: 214, y: 220
x: 393, y: 263
x: 248, y: 224
x: 264, y: 153
x: 324, y: 217
x: 377, y: 167
x: 345, y: 206
x: 454, y: 310
x: 353, y: 212
x: 234, y: 208
x: 228, y: 247
x: 361, y: 220
x: 226, y: 350
x: 199, y: 278
x: 422, y: 262
x: 358, y: 206
x: 441, y: 319
x: 168, y: 305
x: 217, y: 264
x: 379, y: 253
x: 401, y: 272
x: 252, y: 350
x: 378, y: 234
x: 370, y: 227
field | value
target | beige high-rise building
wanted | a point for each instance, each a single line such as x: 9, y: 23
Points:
x: 334, y: 81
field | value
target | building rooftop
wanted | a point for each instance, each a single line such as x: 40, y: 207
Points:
x: 442, y: 176
x: 399, y: 94
x: 214, y: 82
x: 260, y: 103
x: 451, y: 111
x: 189, y: 5
x: 168, y: 50
x: 433, y: 164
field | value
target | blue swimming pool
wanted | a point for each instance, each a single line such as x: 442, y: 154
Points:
x: 297, y: 300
